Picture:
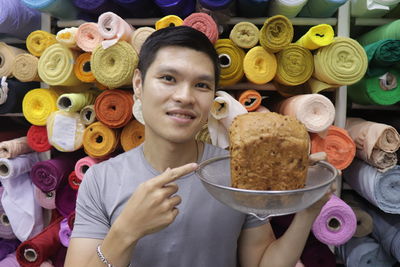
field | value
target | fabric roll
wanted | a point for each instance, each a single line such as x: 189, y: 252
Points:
x: 56, y: 66
x: 364, y: 222
x: 11, y: 261
x: 372, y: 8
x: 113, y: 28
x: 132, y: 135
x: 381, y: 55
x: 321, y: 8
x: 38, y: 104
x: 83, y: 165
x: 380, y: 189
x: 288, y: 91
x: 6, y: 231
x: 336, y: 223
x: 82, y: 68
x: 259, y: 65
x: 204, y: 23
x: 37, y: 138
x: 168, y: 21
x: 338, y: 145
x: 287, y: 8
x: 12, y: 93
x: 113, y: 107
x: 57, y: 8
x: 364, y: 251
x: 25, y: 68
x: 67, y: 38
x: 114, y: 66
x: 74, y: 102
x: 7, y: 58
x: 252, y: 8
x: 223, y: 110
x: 377, y: 90
x: 343, y: 62
x: 250, y: 99
x: 139, y: 36
x: 45, y: 200
x: 73, y: 181
x: 315, y: 86
x: 386, y: 31
x: 245, y: 34
x: 15, y: 147
x: 317, y: 36
x: 65, y: 199
x: 24, y: 214
x: 88, y: 36
x: 97, y: 7
x: 49, y: 174
x: 315, y: 111
x: 8, y: 246
x: 36, y: 250
x: 71, y: 220
x: 99, y: 141
x: 276, y: 33
x: 38, y: 41
x: 180, y: 8
x: 371, y: 138
x: 295, y: 65
x: 215, y: 5
x: 231, y: 62
x: 88, y: 115
x: 64, y: 233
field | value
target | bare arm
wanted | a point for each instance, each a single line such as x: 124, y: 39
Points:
x: 150, y: 209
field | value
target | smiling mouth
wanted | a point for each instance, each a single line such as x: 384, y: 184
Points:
x: 182, y: 116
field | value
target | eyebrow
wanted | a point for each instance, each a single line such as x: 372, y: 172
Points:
x: 203, y: 77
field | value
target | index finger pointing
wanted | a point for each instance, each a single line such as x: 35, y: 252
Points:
x: 171, y: 175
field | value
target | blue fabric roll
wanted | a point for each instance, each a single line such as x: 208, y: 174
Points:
x: 364, y: 251
x: 57, y: 8
x: 181, y: 8
x: 98, y: 7
x: 252, y: 8
x: 15, y: 95
x: 380, y: 189
x: 321, y: 8
x: 215, y: 4
x: 17, y: 19
x: 139, y: 8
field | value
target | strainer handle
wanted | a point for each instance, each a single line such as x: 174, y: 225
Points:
x: 260, y: 217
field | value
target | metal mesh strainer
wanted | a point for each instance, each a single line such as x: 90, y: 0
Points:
x: 215, y: 176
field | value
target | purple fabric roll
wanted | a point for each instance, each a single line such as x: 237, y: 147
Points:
x: 65, y: 200
x: 8, y: 246
x: 5, y: 226
x: 181, y: 8
x: 48, y: 175
x: 64, y: 233
x: 98, y: 7
x: 10, y: 261
x: 215, y: 4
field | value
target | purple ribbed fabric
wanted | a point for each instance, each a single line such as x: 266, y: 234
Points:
x: 181, y: 8
x: 65, y: 200
x: 7, y: 247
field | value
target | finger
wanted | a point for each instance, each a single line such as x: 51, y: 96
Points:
x: 315, y: 157
x: 175, y: 201
x: 170, y: 175
x: 169, y: 190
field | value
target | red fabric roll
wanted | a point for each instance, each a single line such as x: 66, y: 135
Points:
x: 37, y: 138
x: 71, y: 220
x: 73, y: 181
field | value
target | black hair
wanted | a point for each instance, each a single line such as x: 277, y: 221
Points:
x: 177, y: 36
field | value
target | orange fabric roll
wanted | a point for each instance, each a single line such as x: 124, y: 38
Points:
x: 82, y: 68
x: 99, y: 141
x: 337, y: 144
x: 114, y: 107
x: 250, y: 99
x: 132, y: 135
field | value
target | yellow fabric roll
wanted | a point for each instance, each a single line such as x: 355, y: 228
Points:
x: 317, y: 86
x: 259, y: 65
x: 99, y: 140
x: 139, y: 36
x: 56, y: 66
x: 114, y: 66
x: 245, y: 34
x: 25, y: 68
x: 67, y: 37
x: 317, y: 36
x: 231, y: 61
x: 38, y: 41
x: 65, y: 130
x: 74, y: 102
x: 38, y: 104
x: 168, y: 21
x: 295, y: 65
x: 276, y: 33
x: 7, y: 57
x: 343, y: 62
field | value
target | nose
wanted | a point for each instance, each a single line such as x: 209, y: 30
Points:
x: 183, y: 94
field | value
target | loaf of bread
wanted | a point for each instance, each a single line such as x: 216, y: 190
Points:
x: 269, y: 151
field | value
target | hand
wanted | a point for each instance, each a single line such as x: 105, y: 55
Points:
x: 152, y: 207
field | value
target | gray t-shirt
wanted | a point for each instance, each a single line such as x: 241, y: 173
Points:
x: 205, y: 233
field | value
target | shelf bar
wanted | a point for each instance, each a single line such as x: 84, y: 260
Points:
x: 372, y: 21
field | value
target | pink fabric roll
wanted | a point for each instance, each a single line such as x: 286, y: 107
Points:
x: 83, y: 165
x: 315, y: 111
x: 114, y: 28
x: 336, y: 223
x: 64, y: 233
x: 45, y: 200
x: 88, y: 36
x: 204, y: 23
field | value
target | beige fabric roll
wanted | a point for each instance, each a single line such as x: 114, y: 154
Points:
x: 25, y: 68
x: 139, y: 36
x: 7, y: 57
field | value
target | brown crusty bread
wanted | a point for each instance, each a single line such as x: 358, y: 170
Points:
x: 269, y: 151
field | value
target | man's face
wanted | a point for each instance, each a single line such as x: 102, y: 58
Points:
x: 176, y: 94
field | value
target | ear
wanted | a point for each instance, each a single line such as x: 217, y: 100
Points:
x: 137, y: 83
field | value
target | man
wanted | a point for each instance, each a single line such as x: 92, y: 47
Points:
x: 146, y: 207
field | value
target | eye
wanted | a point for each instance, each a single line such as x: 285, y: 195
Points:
x: 203, y: 85
x: 167, y: 78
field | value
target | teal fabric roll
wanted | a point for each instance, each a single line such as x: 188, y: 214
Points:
x: 321, y: 8
x: 252, y: 8
x: 387, y: 31
x: 381, y: 55
x: 62, y: 9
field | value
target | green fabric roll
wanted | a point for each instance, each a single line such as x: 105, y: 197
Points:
x: 371, y: 91
x: 381, y: 55
x: 387, y: 31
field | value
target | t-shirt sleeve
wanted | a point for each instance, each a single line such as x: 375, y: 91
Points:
x: 90, y: 215
x: 252, y: 221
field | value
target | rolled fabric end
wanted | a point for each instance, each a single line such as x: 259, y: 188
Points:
x: 317, y: 36
x: 83, y: 165
x: 38, y: 41
x: 38, y: 104
x: 88, y: 36
x: 67, y: 37
x: 83, y: 69
x: 231, y: 61
x: 99, y: 141
x: 139, y: 36
x: 37, y: 138
x: 204, y: 23
x: 25, y: 68
x: 132, y: 135
x: 245, y: 34
x: 259, y: 65
x: 276, y: 33
x: 88, y: 115
x: 168, y: 21
x: 250, y: 99
x: 73, y: 181
x: 45, y: 200
x: 112, y: 26
x: 7, y: 58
